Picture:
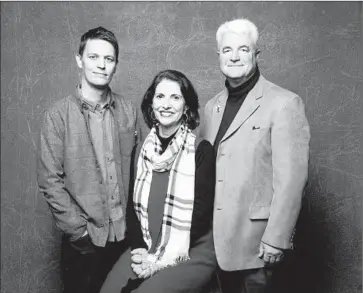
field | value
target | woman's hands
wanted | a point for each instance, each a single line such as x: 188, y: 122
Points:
x: 141, y: 266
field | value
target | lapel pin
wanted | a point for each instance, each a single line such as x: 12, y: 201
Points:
x: 255, y: 127
x: 218, y: 108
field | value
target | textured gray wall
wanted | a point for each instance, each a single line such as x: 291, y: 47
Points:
x: 311, y: 48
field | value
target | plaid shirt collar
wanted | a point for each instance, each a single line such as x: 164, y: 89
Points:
x: 86, y: 105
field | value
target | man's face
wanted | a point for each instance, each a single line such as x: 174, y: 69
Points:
x: 237, y: 56
x: 98, y: 63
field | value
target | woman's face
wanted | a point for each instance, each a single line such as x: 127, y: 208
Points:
x: 168, y: 106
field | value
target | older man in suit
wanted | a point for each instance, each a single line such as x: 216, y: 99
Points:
x: 261, y: 136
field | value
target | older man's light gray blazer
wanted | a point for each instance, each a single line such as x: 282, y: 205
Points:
x: 262, y: 166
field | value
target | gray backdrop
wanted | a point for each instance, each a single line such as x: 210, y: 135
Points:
x: 311, y: 48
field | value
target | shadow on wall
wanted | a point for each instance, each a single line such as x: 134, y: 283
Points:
x: 304, y: 268
x: 318, y: 247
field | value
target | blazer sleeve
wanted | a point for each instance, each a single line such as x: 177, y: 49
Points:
x: 290, y: 137
x: 204, y: 191
x: 51, y: 178
x: 133, y: 227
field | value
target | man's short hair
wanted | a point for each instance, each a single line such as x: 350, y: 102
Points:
x: 99, y: 33
x: 239, y: 26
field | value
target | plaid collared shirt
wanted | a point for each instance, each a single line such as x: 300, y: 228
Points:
x: 101, y: 125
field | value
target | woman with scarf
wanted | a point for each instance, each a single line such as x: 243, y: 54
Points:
x: 170, y: 205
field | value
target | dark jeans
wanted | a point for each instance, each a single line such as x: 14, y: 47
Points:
x: 245, y: 281
x: 85, y: 266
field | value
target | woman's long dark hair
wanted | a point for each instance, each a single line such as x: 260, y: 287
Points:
x: 186, y: 87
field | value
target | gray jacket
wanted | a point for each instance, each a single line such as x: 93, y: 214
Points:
x: 69, y: 175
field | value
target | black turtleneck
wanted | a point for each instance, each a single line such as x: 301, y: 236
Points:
x: 236, y: 97
x: 164, y: 140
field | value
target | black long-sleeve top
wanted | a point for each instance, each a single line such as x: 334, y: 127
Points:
x: 203, y: 199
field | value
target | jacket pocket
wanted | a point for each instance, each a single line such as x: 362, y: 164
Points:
x: 258, y: 134
x: 126, y: 139
x: 259, y: 213
x: 84, y: 245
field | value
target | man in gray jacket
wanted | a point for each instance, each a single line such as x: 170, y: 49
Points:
x: 85, y: 145
x: 261, y: 136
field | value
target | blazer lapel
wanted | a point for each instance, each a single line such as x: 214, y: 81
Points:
x: 217, y: 115
x: 248, y: 108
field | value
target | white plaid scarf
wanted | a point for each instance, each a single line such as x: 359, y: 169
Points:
x: 179, y: 158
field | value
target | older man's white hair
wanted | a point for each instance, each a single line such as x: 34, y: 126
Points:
x: 241, y: 26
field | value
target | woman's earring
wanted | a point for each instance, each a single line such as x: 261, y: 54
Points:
x: 185, y: 118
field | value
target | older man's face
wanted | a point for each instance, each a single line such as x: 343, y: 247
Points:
x: 237, y: 57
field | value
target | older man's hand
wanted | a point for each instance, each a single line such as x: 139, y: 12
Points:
x: 270, y: 255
